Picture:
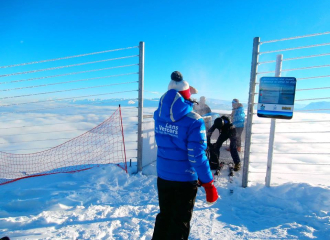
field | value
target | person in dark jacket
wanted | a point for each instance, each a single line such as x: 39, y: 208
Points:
x: 226, y: 130
x: 181, y: 160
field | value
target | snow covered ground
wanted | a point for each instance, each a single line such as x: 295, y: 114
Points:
x: 107, y: 203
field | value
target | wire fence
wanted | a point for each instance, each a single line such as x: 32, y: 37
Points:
x: 301, y: 145
x: 46, y: 102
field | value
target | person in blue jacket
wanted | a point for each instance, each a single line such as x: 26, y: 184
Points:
x: 238, y: 119
x: 181, y: 160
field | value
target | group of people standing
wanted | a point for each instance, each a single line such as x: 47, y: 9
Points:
x: 230, y: 127
x: 182, y: 164
x: 237, y: 117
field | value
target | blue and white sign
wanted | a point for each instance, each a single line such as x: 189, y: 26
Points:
x: 276, y: 97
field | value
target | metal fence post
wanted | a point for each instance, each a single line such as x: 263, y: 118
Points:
x: 253, y: 77
x: 278, y: 69
x: 140, y: 107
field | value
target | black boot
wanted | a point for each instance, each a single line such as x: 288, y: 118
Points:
x: 237, y: 167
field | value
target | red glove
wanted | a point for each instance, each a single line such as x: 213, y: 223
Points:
x: 211, y: 192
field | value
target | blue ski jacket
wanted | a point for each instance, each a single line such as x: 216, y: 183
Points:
x: 181, y: 139
x: 238, y: 117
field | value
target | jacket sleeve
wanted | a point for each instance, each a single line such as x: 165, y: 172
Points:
x: 196, y: 151
x: 239, y: 117
x: 242, y: 115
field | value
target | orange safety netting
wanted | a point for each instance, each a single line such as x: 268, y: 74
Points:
x: 103, y: 144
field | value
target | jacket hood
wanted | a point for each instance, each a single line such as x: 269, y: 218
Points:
x: 172, y: 106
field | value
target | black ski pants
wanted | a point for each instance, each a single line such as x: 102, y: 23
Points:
x: 176, y: 203
x: 224, y: 135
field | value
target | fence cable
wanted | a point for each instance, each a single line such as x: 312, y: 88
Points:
x: 296, y: 121
x: 149, y: 163
x: 307, y: 173
x: 66, y: 66
x: 291, y: 143
x: 265, y: 62
x: 290, y: 49
x: 73, y: 81
x: 303, y: 68
x: 312, y: 99
x: 301, y: 100
x: 82, y: 129
x: 307, y: 89
x: 309, y: 56
x: 52, y: 124
x: 69, y: 114
x: 318, y: 164
x: 325, y: 76
x: 67, y: 74
x: 67, y: 90
x: 296, y: 58
x: 317, y: 153
x: 62, y: 58
x: 75, y: 130
x: 292, y: 173
x: 59, y: 99
x: 298, y: 110
x: 63, y: 106
x: 265, y: 72
x: 39, y: 140
x: 291, y: 38
x: 296, y: 69
x: 321, y: 164
x: 311, y: 110
x: 20, y: 149
x: 294, y: 132
x: 291, y: 153
x: 153, y: 92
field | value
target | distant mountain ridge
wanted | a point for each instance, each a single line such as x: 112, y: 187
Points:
x: 318, y: 105
x: 212, y: 103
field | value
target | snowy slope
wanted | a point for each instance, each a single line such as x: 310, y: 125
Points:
x: 107, y: 203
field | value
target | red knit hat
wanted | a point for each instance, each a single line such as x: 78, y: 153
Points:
x: 181, y: 85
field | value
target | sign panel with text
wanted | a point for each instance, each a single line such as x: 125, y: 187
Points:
x: 276, y: 97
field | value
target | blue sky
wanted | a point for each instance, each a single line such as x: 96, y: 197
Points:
x: 210, y: 42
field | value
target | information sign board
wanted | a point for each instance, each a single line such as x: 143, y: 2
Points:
x: 276, y: 97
